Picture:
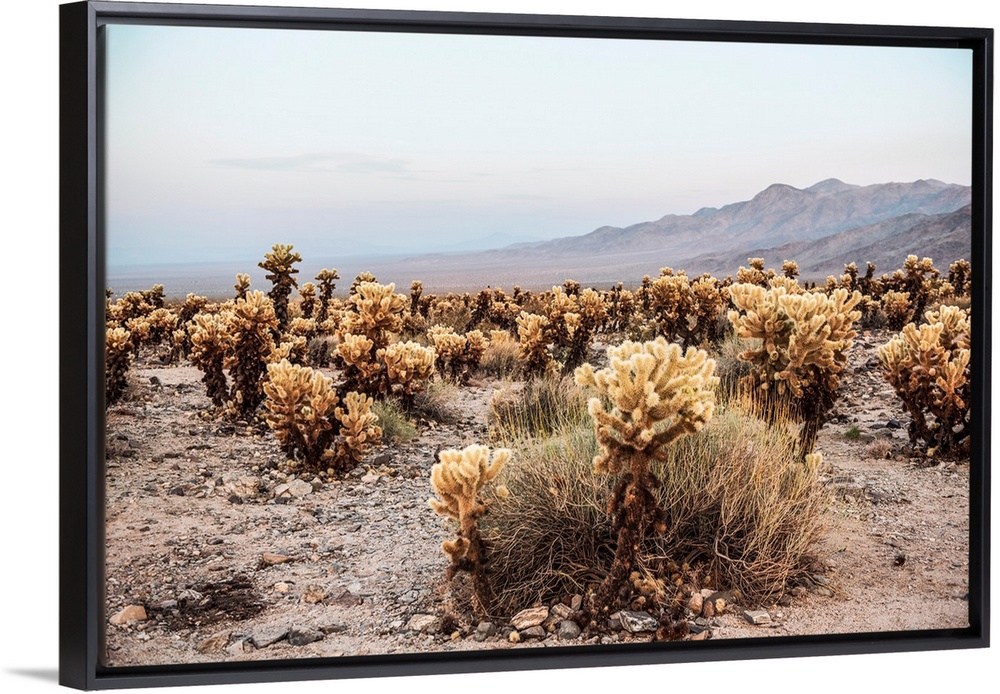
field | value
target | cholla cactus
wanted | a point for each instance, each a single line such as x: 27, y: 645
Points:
x: 357, y: 357
x: 960, y: 277
x: 476, y: 345
x: 307, y: 292
x: 242, y: 285
x: 897, y: 309
x: 804, y: 342
x: 358, y: 429
x: 755, y: 274
x: 376, y: 312
x: 117, y: 359
x: 531, y: 333
x: 416, y: 290
x: 790, y: 269
x: 278, y: 264
x: 658, y: 393
x: 450, y: 348
x: 327, y: 283
x: 928, y: 367
x: 303, y: 412
x: 253, y: 321
x: 211, y: 341
x: 458, y: 479
x: 408, y: 368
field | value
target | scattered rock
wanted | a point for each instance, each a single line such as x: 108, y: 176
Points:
x: 238, y: 647
x: 213, y: 643
x: 757, y: 616
x: 560, y: 612
x: 424, y: 623
x: 576, y: 603
x: 695, y: 603
x: 708, y: 609
x: 636, y: 622
x: 314, y: 594
x: 270, y: 559
x: 302, y: 636
x: 267, y: 637
x: 281, y: 587
x: 701, y: 635
x: 893, y: 424
x: 533, y: 616
x: 568, y: 630
x: 535, y: 632
x: 127, y: 615
x: 347, y: 599
x: 299, y: 488
x: 484, y: 631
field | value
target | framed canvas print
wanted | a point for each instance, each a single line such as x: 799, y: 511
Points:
x: 399, y: 342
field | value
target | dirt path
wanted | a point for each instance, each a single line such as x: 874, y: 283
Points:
x: 232, y: 561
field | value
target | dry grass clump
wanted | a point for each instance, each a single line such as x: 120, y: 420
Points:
x: 502, y: 358
x: 738, y: 505
x: 538, y: 408
x: 392, y: 418
x: 437, y: 402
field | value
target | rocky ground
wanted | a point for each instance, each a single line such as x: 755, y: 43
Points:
x: 214, y: 555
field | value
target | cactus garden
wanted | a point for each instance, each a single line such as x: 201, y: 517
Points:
x: 317, y: 465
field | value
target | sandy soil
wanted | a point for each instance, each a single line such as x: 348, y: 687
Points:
x: 230, y: 560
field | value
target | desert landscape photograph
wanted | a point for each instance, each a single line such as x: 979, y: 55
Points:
x: 422, y: 343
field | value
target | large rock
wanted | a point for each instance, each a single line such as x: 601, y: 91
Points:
x: 424, y: 623
x: 299, y: 488
x: 265, y: 637
x: 127, y: 615
x: 300, y: 636
x: 636, y: 622
x: 757, y: 616
x: 531, y: 617
x: 568, y: 630
x: 213, y: 644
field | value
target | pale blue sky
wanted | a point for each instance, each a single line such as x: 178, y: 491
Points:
x: 222, y: 142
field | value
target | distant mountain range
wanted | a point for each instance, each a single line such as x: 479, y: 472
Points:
x: 821, y: 227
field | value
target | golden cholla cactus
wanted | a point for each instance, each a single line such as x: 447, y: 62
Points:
x: 804, y: 342
x: 928, y: 367
x: 897, y: 309
x: 458, y: 479
x: 252, y: 322
x: 755, y: 274
x: 358, y: 359
x: 294, y: 348
x: 416, y: 289
x: 960, y: 277
x: 304, y: 413
x: 408, y: 368
x: 307, y: 305
x: 658, y: 393
x: 376, y: 311
x: 279, y: 265
x: 118, y: 350
x: 359, y: 430
x: 531, y: 333
x: 790, y: 269
x: 242, y: 286
x: 327, y: 284
x: 449, y: 347
x: 476, y: 345
x: 211, y: 341
x: 300, y: 407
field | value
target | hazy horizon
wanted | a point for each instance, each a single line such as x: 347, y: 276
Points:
x: 222, y: 142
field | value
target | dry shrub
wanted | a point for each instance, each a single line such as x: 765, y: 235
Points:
x: 437, y: 402
x: 392, y: 419
x: 738, y: 505
x: 502, y: 358
x: 539, y: 407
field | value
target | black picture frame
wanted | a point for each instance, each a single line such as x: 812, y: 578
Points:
x: 81, y: 342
